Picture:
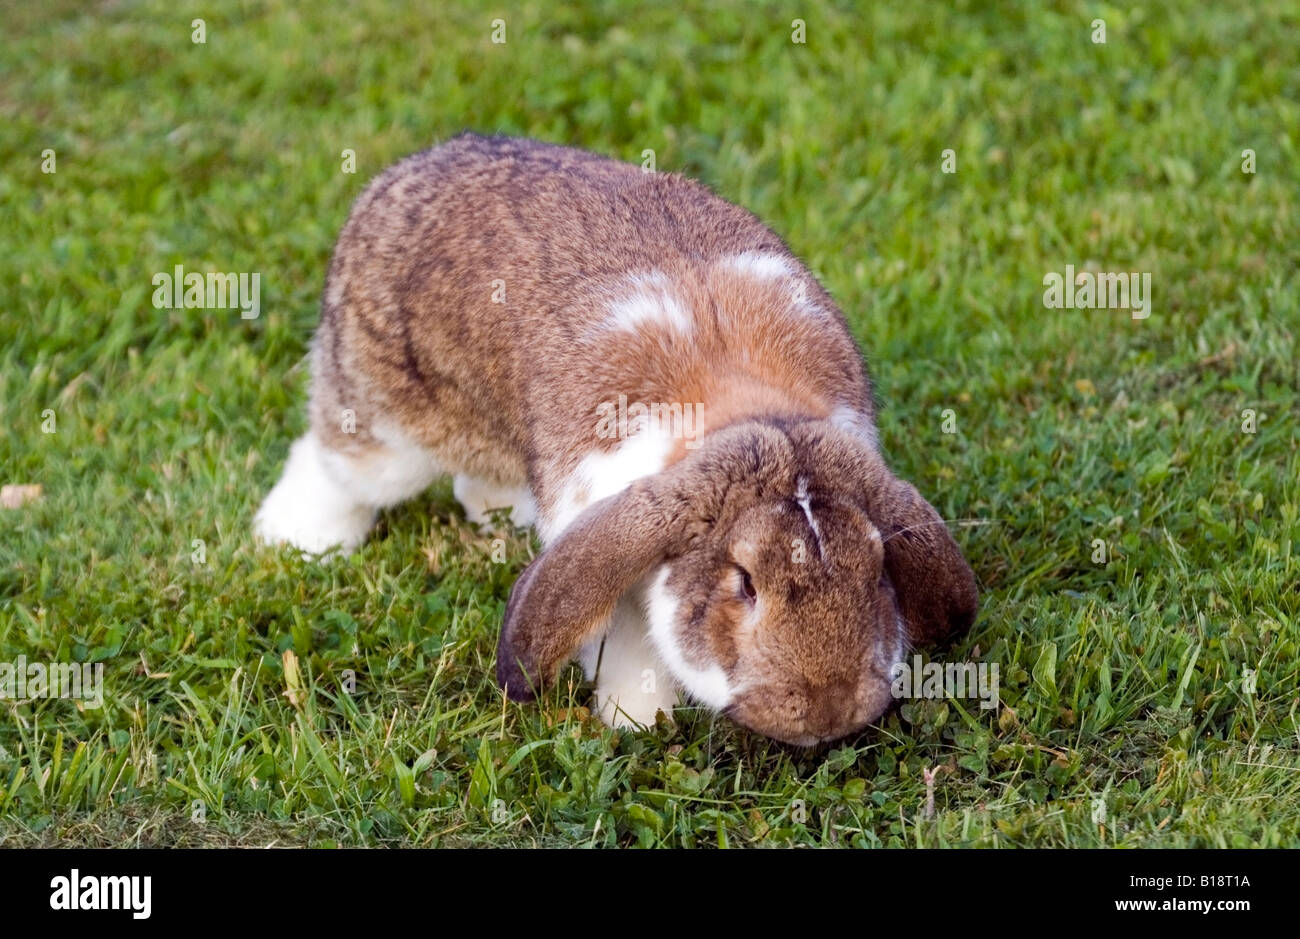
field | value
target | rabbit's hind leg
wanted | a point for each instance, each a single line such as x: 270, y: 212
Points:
x: 329, y: 494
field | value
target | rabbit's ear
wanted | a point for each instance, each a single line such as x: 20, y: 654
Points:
x: 934, y: 584
x: 565, y: 595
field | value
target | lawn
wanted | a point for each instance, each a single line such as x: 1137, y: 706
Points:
x: 1127, y: 490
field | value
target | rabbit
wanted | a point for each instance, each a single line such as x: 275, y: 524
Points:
x: 646, y: 374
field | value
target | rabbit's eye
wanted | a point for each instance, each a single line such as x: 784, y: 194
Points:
x: 747, y: 585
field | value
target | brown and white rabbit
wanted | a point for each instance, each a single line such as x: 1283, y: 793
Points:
x: 647, y: 373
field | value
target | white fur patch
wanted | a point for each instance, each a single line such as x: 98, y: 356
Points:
x: 308, y: 508
x: 603, y: 474
x: 479, y: 497
x: 632, y: 684
x: 760, y: 264
x: 853, y: 421
x: 391, y: 474
x: 801, y: 497
x: 650, y: 302
x: 326, y: 499
x: 706, y: 685
x: 898, y: 648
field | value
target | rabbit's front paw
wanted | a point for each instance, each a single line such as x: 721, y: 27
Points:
x: 632, y: 684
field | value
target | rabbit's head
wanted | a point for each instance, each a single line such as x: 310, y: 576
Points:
x: 784, y: 569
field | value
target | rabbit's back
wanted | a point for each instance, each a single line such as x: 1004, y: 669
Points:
x: 488, y: 294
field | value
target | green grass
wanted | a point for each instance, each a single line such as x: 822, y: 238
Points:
x: 1121, y: 681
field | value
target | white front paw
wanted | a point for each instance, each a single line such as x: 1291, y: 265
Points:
x: 632, y: 685
x: 479, y: 499
x: 635, y: 707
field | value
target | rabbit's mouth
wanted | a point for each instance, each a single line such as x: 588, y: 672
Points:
x: 806, y: 715
x: 832, y: 702
x: 793, y: 736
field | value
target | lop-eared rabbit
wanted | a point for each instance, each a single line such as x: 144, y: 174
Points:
x: 648, y: 375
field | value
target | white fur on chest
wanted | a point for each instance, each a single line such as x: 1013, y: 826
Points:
x: 601, y: 474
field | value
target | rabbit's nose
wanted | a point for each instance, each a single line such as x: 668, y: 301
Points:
x: 830, y: 709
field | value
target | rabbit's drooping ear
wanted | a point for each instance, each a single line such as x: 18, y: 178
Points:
x: 934, y: 584
x: 565, y: 596
x: 568, y: 593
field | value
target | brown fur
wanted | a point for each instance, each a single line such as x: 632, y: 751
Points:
x: 410, y: 293
x: 508, y: 392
